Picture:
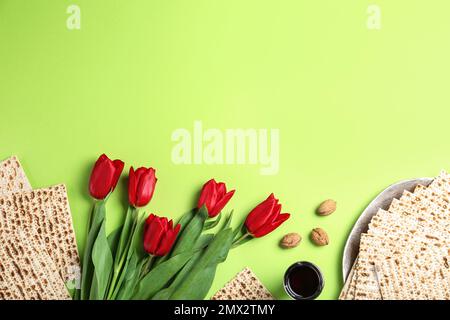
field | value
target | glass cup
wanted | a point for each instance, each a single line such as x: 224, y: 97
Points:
x: 303, y: 281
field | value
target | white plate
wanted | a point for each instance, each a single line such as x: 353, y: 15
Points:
x: 383, y: 200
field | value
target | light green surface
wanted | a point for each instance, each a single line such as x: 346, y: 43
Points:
x: 357, y: 109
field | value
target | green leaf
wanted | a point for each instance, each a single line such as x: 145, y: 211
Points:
x: 203, y: 287
x: 125, y: 234
x: 188, y: 237
x: 159, y: 276
x: 125, y: 250
x: 87, y: 273
x: 103, y: 264
x: 137, y: 244
x: 202, y: 243
x: 228, y: 220
x: 211, y: 224
x: 242, y: 241
x: 165, y: 294
x: 133, y: 246
x: 186, y: 218
x: 130, y: 279
x: 113, y: 239
x: 198, y: 281
x: 240, y: 231
x: 118, y: 277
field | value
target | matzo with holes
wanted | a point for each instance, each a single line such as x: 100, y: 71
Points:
x: 47, y: 211
x: 244, y: 286
x: 12, y: 177
x: 348, y: 291
x: 27, y: 271
x: 414, y: 276
x: 404, y: 254
x: 373, y: 249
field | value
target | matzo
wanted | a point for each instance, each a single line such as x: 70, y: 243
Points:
x: 397, y: 258
x: 27, y: 270
x: 422, y: 206
x: 12, y: 177
x: 244, y: 286
x: 387, y: 223
x: 348, y: 292
x: 374, y: 248
x: 47, y: 210
x: 414, y: 276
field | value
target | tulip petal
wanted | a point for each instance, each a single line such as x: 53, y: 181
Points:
x: 221, y: 204
x: 212, y: 198
x: 164, y: 224
x: 207, y: 189
x: 140, y: 172
x: 221, y: 189
x: 147, y: 241
x: 154, y: 233
x: 148, y: 222
x: 118, y: 165
x: 283, y: 217
x: 270, y: 227
x: 132, y: 185
x: 102, y: 178
x: 167, y: 241
x: 208, y: 195
x: 101, y: 159
x: 261, y: 215
x: 149, y: 219
x: 146, y: 187
x: 275, y: 213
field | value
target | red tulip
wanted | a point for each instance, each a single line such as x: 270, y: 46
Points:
x: 265, y: 217
x: 214, y: 196
x: 159, y: 235
x: 141, y: 185
x: 104, y: 177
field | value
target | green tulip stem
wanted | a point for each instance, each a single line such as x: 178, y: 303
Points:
x: 114, y: 286
x: 147, y: 266
x: 239, y: 241
x: 88, y: 226
x: 88, y: 229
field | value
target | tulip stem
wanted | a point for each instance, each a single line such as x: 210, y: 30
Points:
x: 147, y: 266
x: 89, y: 222
x: 123, y: 257
x: 240, y: 240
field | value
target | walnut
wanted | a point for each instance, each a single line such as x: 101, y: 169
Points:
x: 319, y: 237
x: 326, y: 208
x: 291, y: 240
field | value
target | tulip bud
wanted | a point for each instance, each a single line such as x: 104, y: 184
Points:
x: 104, y: 177
x: 159, y: 235
x: 265, y: 218
x: 141, y: 185
x: 214, y: 196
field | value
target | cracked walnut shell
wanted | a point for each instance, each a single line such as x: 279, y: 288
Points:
x: 319, y: 237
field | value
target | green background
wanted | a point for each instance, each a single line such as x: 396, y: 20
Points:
x: 357, y: 109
